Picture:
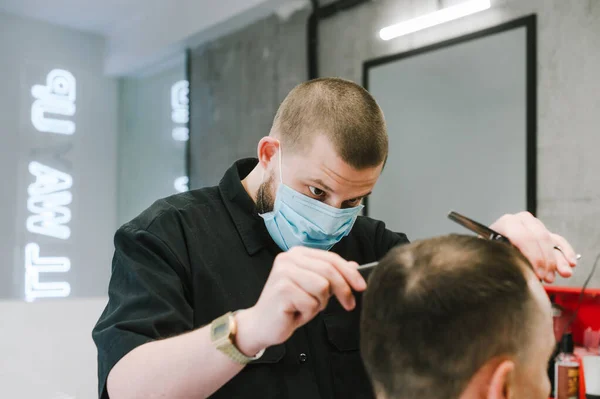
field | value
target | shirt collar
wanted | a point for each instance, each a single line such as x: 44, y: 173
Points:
x: 241, y: 207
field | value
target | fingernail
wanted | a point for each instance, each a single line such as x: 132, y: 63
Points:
x: 361, y: 284
x: 350, y: 303
x: 541, y: 273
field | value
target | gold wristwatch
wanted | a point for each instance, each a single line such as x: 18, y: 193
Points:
x: 222, y: 335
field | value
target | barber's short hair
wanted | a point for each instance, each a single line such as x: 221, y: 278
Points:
x: 437, y: 310
x: 342, y: 111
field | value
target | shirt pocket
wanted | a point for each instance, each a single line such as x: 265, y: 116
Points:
x: 261, y: 378
x: 348, y: 373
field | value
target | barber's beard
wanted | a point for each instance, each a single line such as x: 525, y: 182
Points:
x: 265, y: 198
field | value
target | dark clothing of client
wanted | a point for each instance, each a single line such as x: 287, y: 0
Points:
x: 192, y: 257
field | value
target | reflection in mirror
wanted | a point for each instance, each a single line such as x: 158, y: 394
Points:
x: 154, y: 117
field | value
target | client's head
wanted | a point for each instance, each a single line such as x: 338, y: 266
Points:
x: 456, y: 317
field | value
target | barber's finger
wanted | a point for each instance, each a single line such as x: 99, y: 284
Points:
x: 305, y: 305
x: 549, y: 278
x: 346, y: 268
x: 567, y: 249
x: 512, y: 227
x: 543, y: 239
x: 313, y: 284
x: 338, y: 284
x: 562, y: 266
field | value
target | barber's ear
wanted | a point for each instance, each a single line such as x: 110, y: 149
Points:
x: 502, y: 381
x: 267, y: 150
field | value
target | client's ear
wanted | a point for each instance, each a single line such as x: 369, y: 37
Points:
x: 502, y: 381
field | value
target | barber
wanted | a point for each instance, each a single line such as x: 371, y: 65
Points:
x: 225, y: 291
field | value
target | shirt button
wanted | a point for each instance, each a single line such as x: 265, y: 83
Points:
x: 302, y: 357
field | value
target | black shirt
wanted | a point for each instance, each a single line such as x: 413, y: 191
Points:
x: 192, y: 257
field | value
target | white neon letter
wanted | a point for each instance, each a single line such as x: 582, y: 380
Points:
x: 48, y: 200
x: 34, y: 265
x: 56, y: 97
x: 48, y: 180
x: 180, y: 101
x: 181, y: 184
x: 181, y: 134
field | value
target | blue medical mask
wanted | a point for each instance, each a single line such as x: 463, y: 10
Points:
x: 300, y: 220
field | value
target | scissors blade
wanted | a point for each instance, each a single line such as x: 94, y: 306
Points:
x: 476, y: 227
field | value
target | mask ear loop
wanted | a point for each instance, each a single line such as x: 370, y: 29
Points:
x: 280, y: 168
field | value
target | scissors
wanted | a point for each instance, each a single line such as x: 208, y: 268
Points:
x: 486, y: 232
x: 476, y: 227
x: 464, y: 221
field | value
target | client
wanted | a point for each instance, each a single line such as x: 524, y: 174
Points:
x: 456, y: 317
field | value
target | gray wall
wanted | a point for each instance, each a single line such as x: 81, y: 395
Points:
x: 149, y: 158
x: 46, y: 345
x: 229, y: 117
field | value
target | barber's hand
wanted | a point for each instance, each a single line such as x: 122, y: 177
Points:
x: 537, y: 244
x: 300, y: 285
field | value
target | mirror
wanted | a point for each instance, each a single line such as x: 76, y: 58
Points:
x: 461, y: 123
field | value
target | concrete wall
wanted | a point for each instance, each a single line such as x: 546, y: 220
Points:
x: 234, y: 97
x: 237, y: 83
x: 46, y: 346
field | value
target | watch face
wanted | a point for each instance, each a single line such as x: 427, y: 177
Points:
x: 220, y: 331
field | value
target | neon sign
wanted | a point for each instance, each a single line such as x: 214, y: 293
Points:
x: 180, y: 115
x: 56, y: 97
x: 49, y: 195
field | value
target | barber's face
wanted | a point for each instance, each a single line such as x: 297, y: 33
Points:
x: 531, y: 377
x: 318, y: 173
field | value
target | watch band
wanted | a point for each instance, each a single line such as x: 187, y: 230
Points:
x: 234, y: 354
x: 227, y: 344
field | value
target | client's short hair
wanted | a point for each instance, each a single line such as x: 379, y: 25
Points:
x: 437, y: 310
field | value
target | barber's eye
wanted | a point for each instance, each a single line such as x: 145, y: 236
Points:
x: 317, y: 192
x: 354, y: 201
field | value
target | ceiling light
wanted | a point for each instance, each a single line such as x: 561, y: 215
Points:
x: 435, y: 18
